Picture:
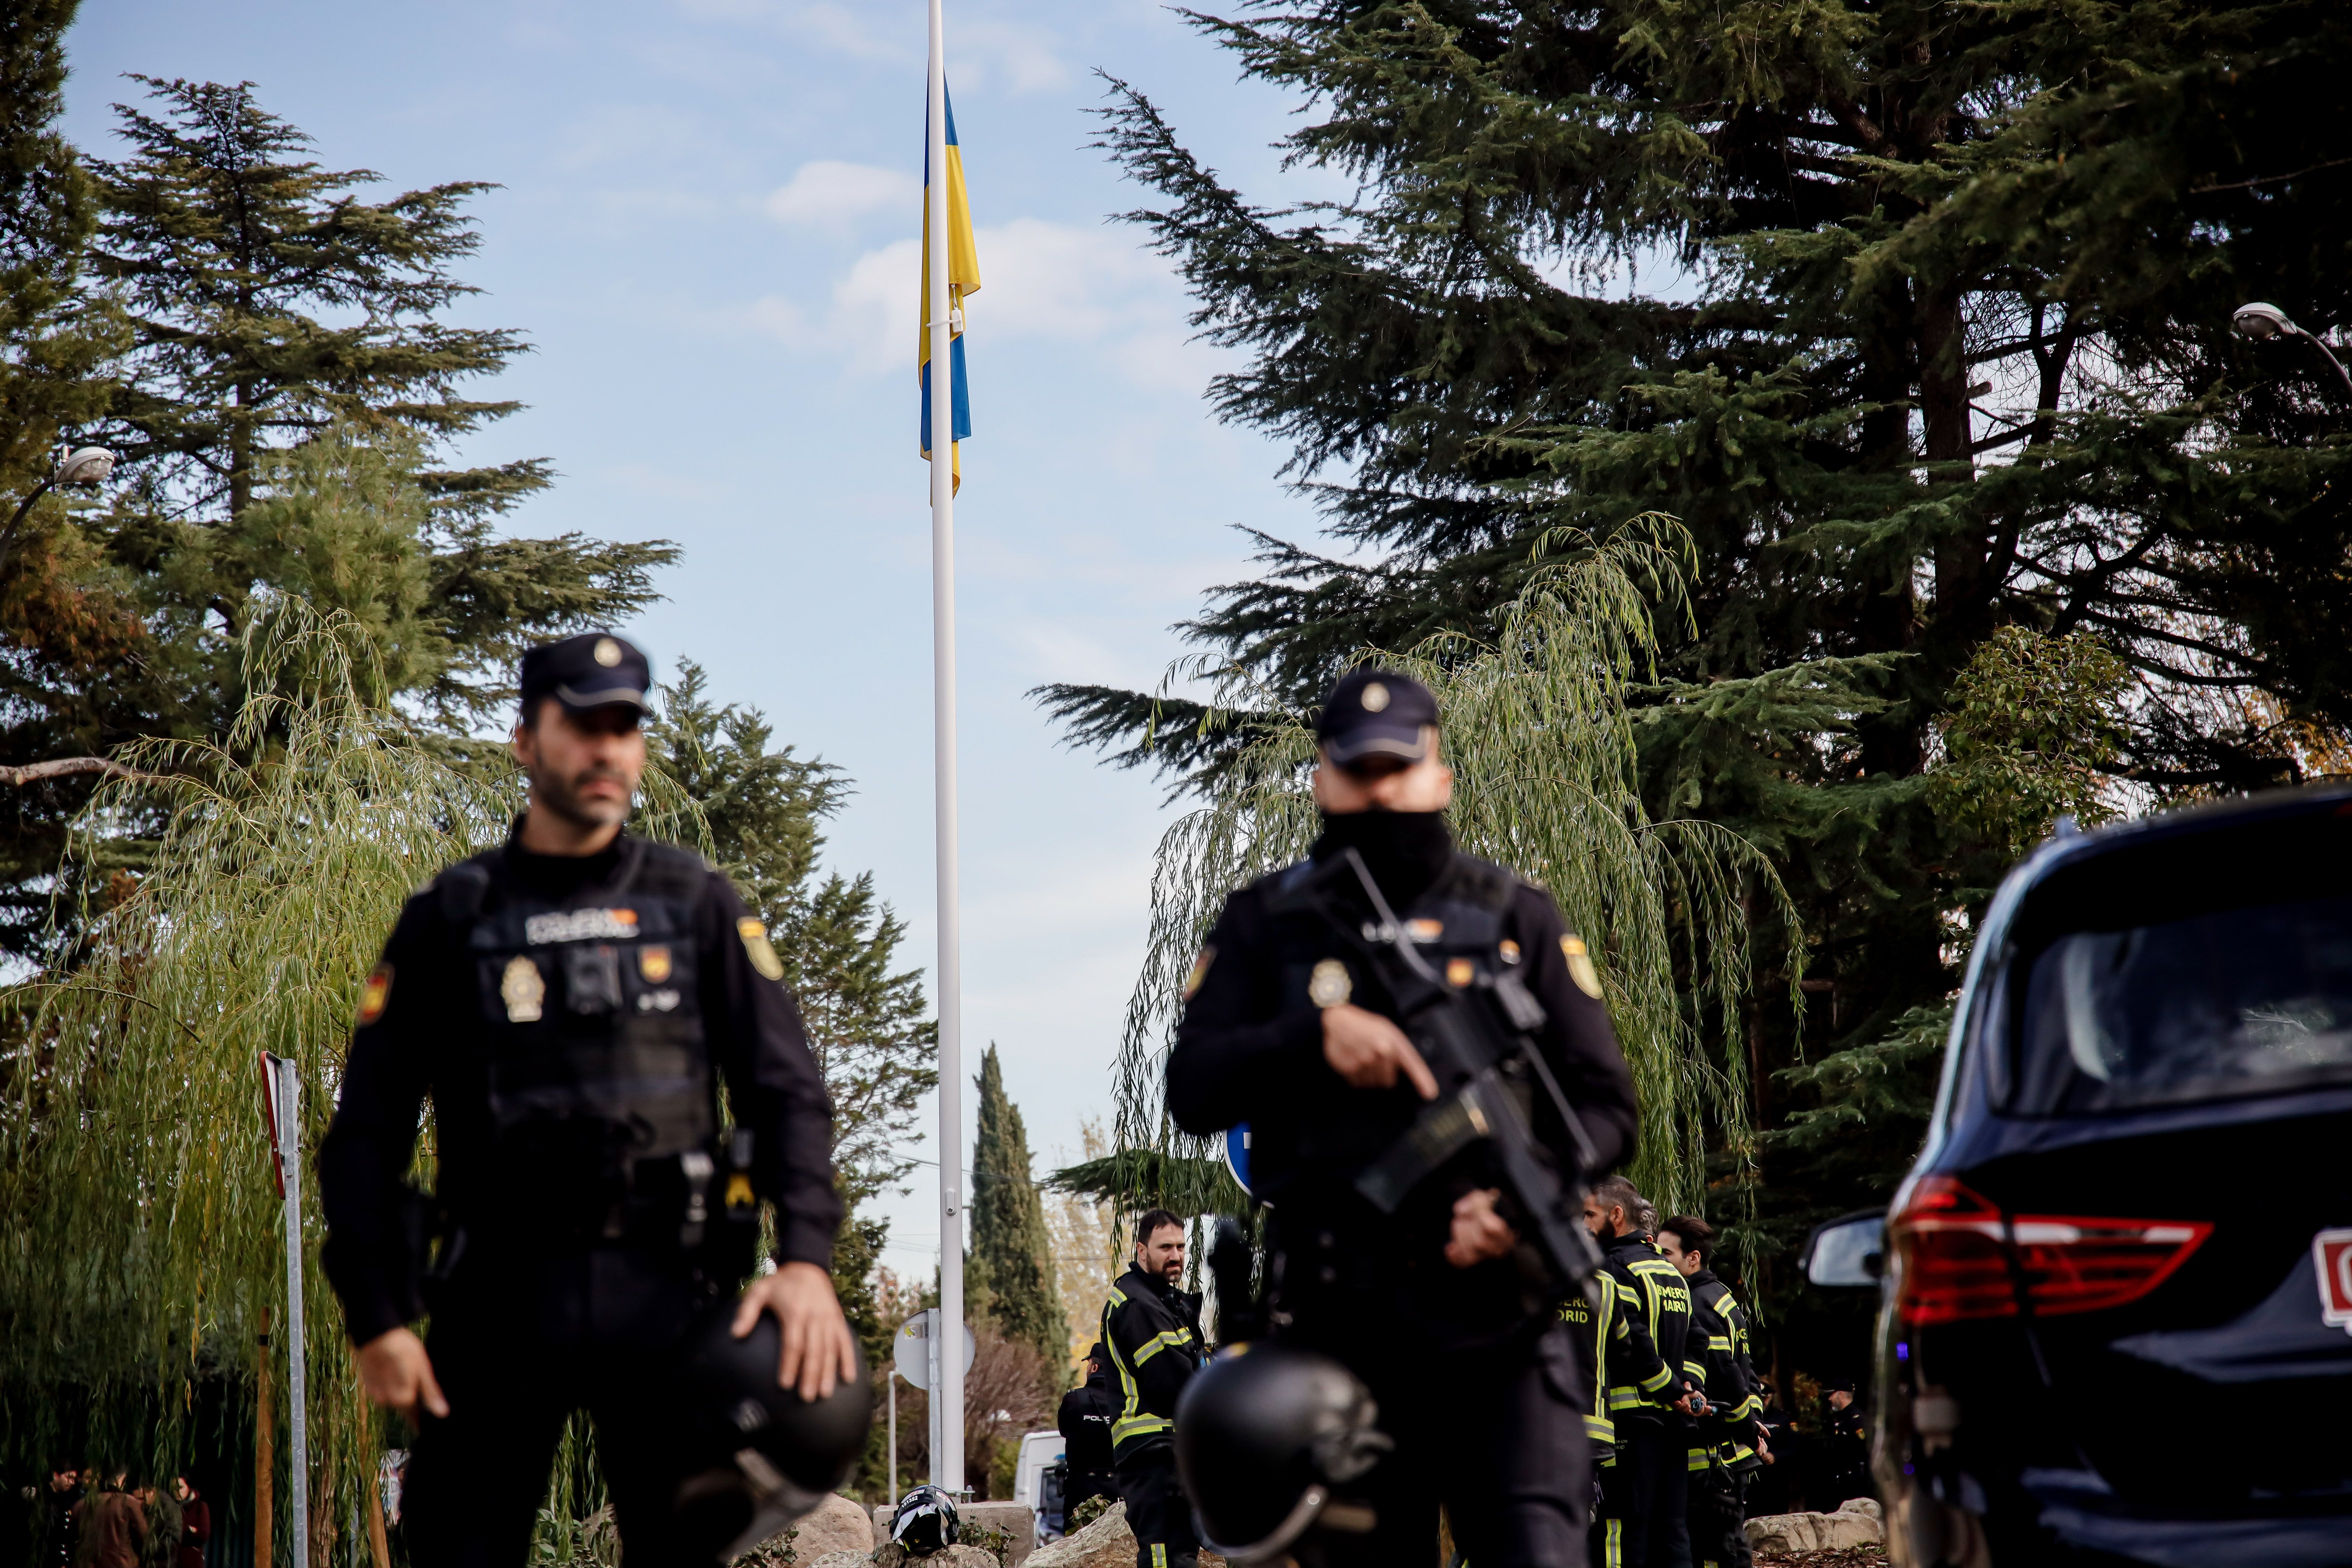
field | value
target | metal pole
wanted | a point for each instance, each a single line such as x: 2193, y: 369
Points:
x: 893, y: 1449
x: 2316, y: 340
x: 946, y: 1387
x: 290, y: 1144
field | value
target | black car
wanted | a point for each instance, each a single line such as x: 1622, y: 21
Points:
x: 2116, y: 1286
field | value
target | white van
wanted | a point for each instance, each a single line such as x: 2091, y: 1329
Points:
x: 1040, y: 1452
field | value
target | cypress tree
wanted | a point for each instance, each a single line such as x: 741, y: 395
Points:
x: 1953, y: 356
x: 1011, y: 1248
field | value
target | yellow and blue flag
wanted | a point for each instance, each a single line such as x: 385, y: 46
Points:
x: 964, y: 278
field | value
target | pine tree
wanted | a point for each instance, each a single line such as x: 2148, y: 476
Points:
x: 838, y: 942
x: 1954, y: 357
x: 263, y: 349
x: 53, y: 339
x: 269, y: 301
x: 1010, y: 1248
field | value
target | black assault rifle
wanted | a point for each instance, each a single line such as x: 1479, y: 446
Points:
x: 1479, y: 1042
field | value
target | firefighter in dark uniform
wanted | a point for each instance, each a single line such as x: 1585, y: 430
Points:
x: 1619, y: 1357
x: 573, y: 1001
x: 1726, y: 1453
x: 1477, y: 1378
x: 1152, y: 1327
x: 1643, y: 1521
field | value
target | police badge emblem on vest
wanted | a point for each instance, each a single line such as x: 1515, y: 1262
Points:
x: 524, y: 989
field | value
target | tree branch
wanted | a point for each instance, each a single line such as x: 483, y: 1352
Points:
x: 68, y: 767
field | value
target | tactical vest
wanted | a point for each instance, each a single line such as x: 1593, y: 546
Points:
x: 601, y: 1095
x: 1457, y: 924
x: 1322, y: 1226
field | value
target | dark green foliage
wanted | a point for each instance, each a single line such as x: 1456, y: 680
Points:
x: 1148, y: 1178
x: 237, y: 258
x: 53, y: 338
x: 855, y: 1257
x: 1952, y: 356
x: 1011, y: 1252
x: 265, y: 352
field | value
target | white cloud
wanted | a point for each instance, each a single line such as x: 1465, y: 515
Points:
x: 843, y: 29
x: 832, y: 195
x: 1024, y: 55
x: 1055, y: 282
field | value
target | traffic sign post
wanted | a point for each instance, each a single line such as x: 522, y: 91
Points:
x: 915, y: 1356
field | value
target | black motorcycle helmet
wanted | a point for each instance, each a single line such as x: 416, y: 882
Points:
x: 925, y: 1523
x: 754, y: 1456
x: 1264, y: 1434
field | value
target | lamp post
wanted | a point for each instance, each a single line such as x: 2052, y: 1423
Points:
x: 2261, y: 323
x: 83, y: 465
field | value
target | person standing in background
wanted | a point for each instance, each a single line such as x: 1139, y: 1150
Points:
x: 1084, y: 1421
x: 64, y: 1493
x: 1152, y: 1330
x: 195, y: 1522
x: 110, y: 1527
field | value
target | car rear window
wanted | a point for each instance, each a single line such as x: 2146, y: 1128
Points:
x: 2248, y: 1000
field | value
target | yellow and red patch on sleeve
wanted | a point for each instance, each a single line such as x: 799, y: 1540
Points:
x: 1200, y: 971
x: 375, y: 994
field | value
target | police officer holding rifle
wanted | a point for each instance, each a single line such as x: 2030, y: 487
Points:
x: 1417, y: 1045
x: 573, y: 1003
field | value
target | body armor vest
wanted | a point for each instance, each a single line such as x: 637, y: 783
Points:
x: 601, y: 1092
x: 1459, y: 925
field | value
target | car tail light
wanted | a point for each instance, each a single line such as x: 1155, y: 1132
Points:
x: 1960, y: 1257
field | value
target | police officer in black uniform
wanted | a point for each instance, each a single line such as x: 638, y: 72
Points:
x: 1846, y: 1454
x: 1475, y: 1377
x: 1083, y: 1420
x: 573, y: 1001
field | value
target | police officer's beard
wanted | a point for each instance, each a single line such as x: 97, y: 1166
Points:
x: 568, y: 799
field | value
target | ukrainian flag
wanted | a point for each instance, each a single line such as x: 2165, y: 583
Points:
x: 964, y: 278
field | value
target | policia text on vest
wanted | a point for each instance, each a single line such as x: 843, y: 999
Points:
x: 572, y: 1003
x: 1475, y: 1380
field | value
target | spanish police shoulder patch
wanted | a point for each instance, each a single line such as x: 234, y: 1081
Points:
x: 1580, y: 964
x: 375, y: 994
x: 1200, y: 971
x: 763, y: 951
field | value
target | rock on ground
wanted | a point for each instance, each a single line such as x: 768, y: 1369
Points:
x: 839, y: 1524
x: 839, y: 1560
x: 1856, y: 1524
x: 1105, y: 1543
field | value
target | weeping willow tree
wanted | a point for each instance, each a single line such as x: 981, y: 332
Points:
x: 142, y: 1240
x: 1540, y: 727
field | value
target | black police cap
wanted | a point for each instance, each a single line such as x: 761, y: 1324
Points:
x: 595, y: 670
x: 1376, y: 713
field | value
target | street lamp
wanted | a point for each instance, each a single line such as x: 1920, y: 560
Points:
x: 2261, y: 323
x: 83, y: 465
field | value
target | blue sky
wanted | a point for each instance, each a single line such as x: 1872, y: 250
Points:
x: 708, y: 229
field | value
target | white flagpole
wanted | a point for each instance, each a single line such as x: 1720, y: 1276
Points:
x: 947, y: 1392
